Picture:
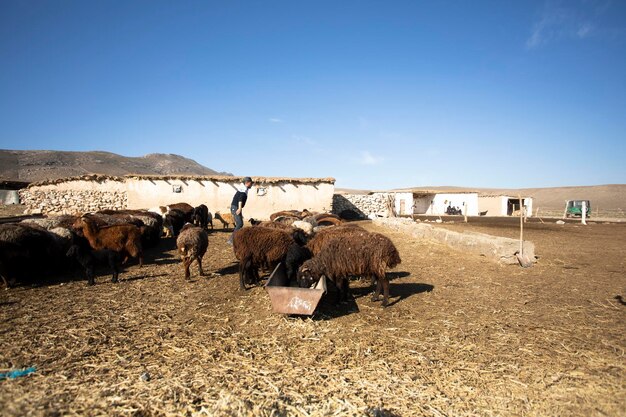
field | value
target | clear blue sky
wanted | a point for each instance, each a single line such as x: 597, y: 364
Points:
x: 380, y: 94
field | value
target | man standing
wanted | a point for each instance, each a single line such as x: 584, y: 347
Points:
x: 238, y: 203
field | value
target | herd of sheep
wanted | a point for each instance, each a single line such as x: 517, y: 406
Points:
x: 310, y: 245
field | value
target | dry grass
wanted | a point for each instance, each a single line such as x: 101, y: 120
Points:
x: 463, y: 337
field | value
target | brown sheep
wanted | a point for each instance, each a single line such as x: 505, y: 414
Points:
x: 299, y: 215
x: 288, y: 220
x: 352, y: 255
x: 261, y: 247
x: 226, y: 219
x: 187, y: 209
x: 122, y: 238
x: 192, y: 243
x: 322, y: 237
x: 153, y: 223
x: 271, y: 225
x: 323, y: 219
x: 328, y: 221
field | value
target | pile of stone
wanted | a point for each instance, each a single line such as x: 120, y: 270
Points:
x: 371, y: 205
x: 71, y: 201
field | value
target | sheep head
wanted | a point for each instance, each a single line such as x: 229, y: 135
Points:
x: 299, y: 237
x: 80, y: 223
x: 306, y: 277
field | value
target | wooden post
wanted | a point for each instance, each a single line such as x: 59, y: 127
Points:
x: 583, y: 217
x: 521, y: 230
x: 565, y: 211
x: 466, y: 208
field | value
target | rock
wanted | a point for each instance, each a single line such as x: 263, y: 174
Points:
x: 560, y: 222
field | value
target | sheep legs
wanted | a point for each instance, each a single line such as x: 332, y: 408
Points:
x: 385, y: 282
x: 114, y: 259
x: 200, y: 266
x: 90, y: 278
x: 187, y: 264
x: 381, y: 284
x: 248, y: 273
x: 343, y: 287
x: 244, y: 266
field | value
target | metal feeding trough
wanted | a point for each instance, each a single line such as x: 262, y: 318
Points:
x: 292, y: 300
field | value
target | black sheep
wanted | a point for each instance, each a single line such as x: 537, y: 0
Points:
x: 200, y: 216
x: 261, y: 247
x: 88, y: 258
x: 295, y: 257
x: 174, y: 221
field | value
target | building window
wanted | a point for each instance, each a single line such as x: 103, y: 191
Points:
x: 177, y: 188
x: 261, y: 191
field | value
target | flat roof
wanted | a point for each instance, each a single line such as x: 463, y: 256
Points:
x: 426, y: 191
x: 214, y: 178
x: 487, y: 195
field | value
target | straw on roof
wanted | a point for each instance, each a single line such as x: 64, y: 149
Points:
x: 214, y: 178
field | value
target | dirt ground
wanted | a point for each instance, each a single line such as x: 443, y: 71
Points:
x: 462, y: 337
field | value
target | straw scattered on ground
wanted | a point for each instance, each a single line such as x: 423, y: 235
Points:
x: 462, y: 337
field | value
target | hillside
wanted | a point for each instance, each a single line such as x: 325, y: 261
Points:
x: 40, y: 165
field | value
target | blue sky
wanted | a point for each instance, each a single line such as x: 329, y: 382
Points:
x: 379, y: 95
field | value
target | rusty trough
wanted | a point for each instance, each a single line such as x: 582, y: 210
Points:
x: 292, y: 300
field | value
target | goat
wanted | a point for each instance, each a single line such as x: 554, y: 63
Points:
x: 352, y: 255
x: 226, y: 219
x: 192, y: 244
x: 123, y: 238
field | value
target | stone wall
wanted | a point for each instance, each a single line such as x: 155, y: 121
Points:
x: 368, y: 205
x: 496, y: 248
x: 63, y: 201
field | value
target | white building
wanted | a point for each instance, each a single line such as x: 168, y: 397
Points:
x: 97, y: 192
x: 503, y: 205
x: 435, y: 203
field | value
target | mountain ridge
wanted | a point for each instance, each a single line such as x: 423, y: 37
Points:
x: 37, y: 165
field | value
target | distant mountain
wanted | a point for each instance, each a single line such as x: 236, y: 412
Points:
x: 41, y: 165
